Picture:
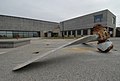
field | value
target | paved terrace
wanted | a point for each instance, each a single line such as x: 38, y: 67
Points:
x: 74, y: 63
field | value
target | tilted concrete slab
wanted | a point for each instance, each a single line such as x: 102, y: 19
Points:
x: 77, y: 41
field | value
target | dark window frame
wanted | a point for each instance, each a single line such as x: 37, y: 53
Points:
x: 98, y: 18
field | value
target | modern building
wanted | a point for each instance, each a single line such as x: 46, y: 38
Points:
x: 12, y: 27
x: 83, y: 25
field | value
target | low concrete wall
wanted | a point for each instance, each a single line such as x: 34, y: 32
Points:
x: 13, y: 44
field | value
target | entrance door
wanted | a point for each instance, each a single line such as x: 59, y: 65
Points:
x: 45, y: 35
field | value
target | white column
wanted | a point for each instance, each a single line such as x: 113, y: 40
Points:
x: 76, y: 33
x: 114, y: 32
x: 71, y: 33
x: 42, y: 33
x: 67, y: 33
x: 49, y: 34
x: 59, y: 34
x: 89, y: 31
x: 81, y: 32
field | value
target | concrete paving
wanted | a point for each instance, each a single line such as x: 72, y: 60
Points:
x: 74, y: 63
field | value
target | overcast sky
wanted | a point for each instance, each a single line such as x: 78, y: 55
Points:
x: 57, y: 10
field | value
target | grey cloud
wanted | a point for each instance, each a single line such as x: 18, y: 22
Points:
x: 57, y: 10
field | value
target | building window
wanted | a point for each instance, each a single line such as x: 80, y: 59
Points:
x: 3, y: 34
x: 25, y: 34
x: 30, y: 34
x: 84, y: 31
x: 65, y: 32
x: 69, y: 32
x: 78, y: 32
x: 98, y: 18
x: 15, y: 34
x: 73, y: 32
x: 9, y: 34
x: 21, y: 34
x: 113, y: 20
x: 35, y: 34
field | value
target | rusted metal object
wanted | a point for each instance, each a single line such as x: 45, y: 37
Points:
x: 104, y: 44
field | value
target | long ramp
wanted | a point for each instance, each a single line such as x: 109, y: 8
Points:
x: 84, y: 39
